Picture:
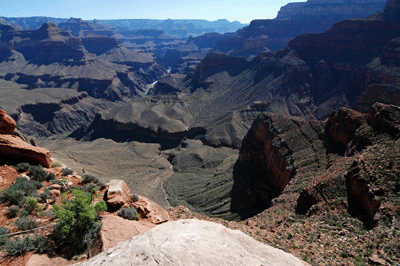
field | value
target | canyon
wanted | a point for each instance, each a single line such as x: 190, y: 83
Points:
x: 292, y: 138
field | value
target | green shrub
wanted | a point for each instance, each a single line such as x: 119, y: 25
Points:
x: 4, y: 231
x: 67, y: 171
x: 76, y: 219
x: 12, y: 211
x: 55, y: 164
x: 26, y: 223
x: 89, y: 178
x: 23, y: 167
x: 129, y: 213
x: 31, y: 204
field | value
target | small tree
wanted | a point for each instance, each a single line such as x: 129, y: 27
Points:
x: 77, y: 221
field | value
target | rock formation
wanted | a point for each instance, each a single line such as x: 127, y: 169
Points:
x: 118, y: 193
x: 293, y: 20
x: 16, y: 148
x: 360, y: 198
x: 273, y: 150
x: 193, y: 242
x: 7, y: 124
x: 150, y: 210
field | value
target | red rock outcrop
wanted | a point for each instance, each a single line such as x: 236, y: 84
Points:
x: 7, y: 124
x: 348, y: 130
x: 118, y: 193
x: 16, y: 148
x: 386, y: 118
x: 361, y: 200
x: 383, y: 93
x: 151, y: 210
x: 272, y: 150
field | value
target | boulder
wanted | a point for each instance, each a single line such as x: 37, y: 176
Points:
x: 193, y: 242
x: 55, y: 193
x: 118, y: 193
x: 116, y: 230
x: 151, y: 210
x: 13, y: 146
x: 7, y: 124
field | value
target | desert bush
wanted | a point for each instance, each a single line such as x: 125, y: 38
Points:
x: 23, y: 167
x: 67, y: 171
x: 55, y: 164
x: 21, y: 188
x: 12, y: 211
x: 92, y: 188
x: 76, y: 219
x: 45, y: 195
x: 101, y: 185
x: 26, y: 223
x: 23, y: 213
x: 39, y: 174
x: 89, y: 178
x: 31, y: 204
x: 4, y: 231
x: 40, y: 243
x: 129, y: 213
x: 19, y: 245
x: 134, y: 197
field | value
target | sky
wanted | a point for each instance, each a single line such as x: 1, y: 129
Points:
x: 243, y: 10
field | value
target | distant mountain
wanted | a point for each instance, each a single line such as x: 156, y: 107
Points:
x: 178, y: 28
x: 313, y: 16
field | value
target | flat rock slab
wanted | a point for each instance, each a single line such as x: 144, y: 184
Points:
x: 15, y: 147
x: 193, y: 242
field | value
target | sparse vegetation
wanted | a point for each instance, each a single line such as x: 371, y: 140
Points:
x: 26, y: 223
x: 22, y: 187
x: 12, y: 211
x: 67, y: 171
x: 39, y: 174
x: 89, y: 178
x: 55, y: 164
x: 129, y: 213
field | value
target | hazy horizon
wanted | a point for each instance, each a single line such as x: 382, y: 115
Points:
x: 232, y: 10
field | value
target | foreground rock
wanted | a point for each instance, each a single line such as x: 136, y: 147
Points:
x: 193, y: 242
x: 151, y: 210
x: 12, y: 146
x: 116, y: 230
